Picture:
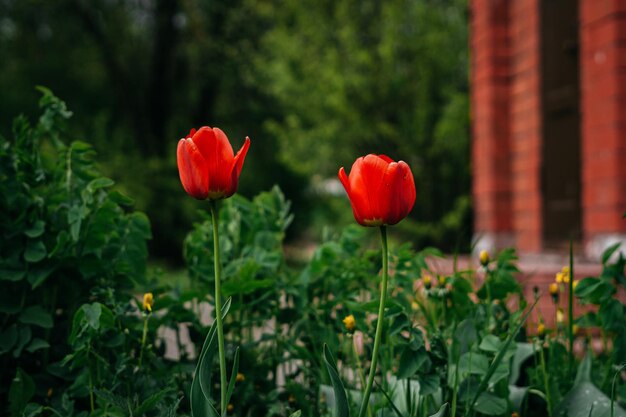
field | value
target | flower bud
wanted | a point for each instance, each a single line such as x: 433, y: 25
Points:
x: 484, y: 257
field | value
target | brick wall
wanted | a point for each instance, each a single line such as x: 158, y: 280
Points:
x: 603, y: 106
x: 490, y: 98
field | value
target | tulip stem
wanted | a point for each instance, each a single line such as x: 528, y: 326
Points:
x: 379, y: 325
x: 218, y: 306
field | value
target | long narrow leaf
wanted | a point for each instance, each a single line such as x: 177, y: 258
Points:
x: 200, y: 395
x: 393, y: 406
x: 233, y: 378
x: 342, y: 408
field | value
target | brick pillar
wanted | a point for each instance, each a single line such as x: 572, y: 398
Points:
x: 490, y: 98
x: 526, y: 124
x: 603, y: 106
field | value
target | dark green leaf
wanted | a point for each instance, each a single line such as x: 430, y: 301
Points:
x: 21, y: 391
x: 36, y: 230
x: 233, y: 378
x: 490, y: 404
x: 443, y: 411
x: 342, y: 408
x: 35, y: 251
x: 411, y: 361
x: 36, y: 315
x: 37, y: 344
x: 8, y: 338
x: 490, y: 343
x: 606, y: 255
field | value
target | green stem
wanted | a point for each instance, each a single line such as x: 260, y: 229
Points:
x: 545, y: 380
x: 90, y: 376
x: 218, y: 306
x: 143, y: 339
x: 570, y: 309
x: 379, y: 325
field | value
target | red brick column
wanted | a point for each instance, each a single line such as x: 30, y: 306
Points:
x: 526, y: 124
x: 603, y: 107
x: 490, y: 98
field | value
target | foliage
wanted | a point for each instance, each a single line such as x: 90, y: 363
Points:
x: 71, y: 250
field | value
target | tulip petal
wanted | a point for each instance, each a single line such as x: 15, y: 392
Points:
x: 192, y: 169
x: 238, y: 161
x: 399, y: 192
x: 218, y: 154
x: 346, y: 184
x: 370, y: 177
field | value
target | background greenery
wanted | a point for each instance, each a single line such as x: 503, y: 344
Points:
x: 313, y: 83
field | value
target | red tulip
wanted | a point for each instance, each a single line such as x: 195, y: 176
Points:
x: 206, y: 164
x: 381, y: 191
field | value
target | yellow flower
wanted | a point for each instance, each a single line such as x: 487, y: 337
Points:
x: 541, y: 329
x: 484, y: 257
x: 560, y: 317
x: 148, y: 302
x: 575, y: 284
x: 415, y: 306
x: 442, y: 280
x: 428, y: 280
x: 553, y: 288
x: 349, y: 322
x: 230, y: 408
x: 240, y: 377
x: 514, y: 414
x: 559, y: 277
x: 575, y: 329
x: 566, y: 274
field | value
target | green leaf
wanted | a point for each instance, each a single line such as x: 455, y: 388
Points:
x: 39, y: 274
x: 11, y: 274
x: 101, y: 182
x: 585, y: 399
x: 37, y: 344
x: 200, y: 395
x: 8, y: 338
x: 606, y: 255
x: 342, y: 408
x: 500, y: 356
x: 410, y: 362
x: 233, y: 378
x: 37, y: 316
x: 523, y: 352
x: 466, y: 335
x: 24, y: 335
x: 490, y: 343
x: 35, y: 251
x: 490, y: 404
x: 200, y: 406
x: 443, y: 411
x: 594, y: 290
x: 473, y: 363
x: 21, y: 391
x: 612, y: 315
x: 36, y: 230
x: 151, y: 402
x: 296, y: 414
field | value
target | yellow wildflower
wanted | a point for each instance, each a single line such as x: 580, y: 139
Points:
x: 566, y: 274
x: 428, y: 280
x: 415, y: 306
x: 554, y: 289
x: 541, y: 329
x: 349, y: 322
x: 575, y: 284
x: 559, y: 277
x: 240, y: 377
x: 560, y: 317
x: 575, y: 329
x: 442, y: 280
x: 484, y: 257
x: 148, y: 302
x: 230, y: 408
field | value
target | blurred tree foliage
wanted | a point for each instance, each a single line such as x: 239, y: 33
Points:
x: 313, y: 83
